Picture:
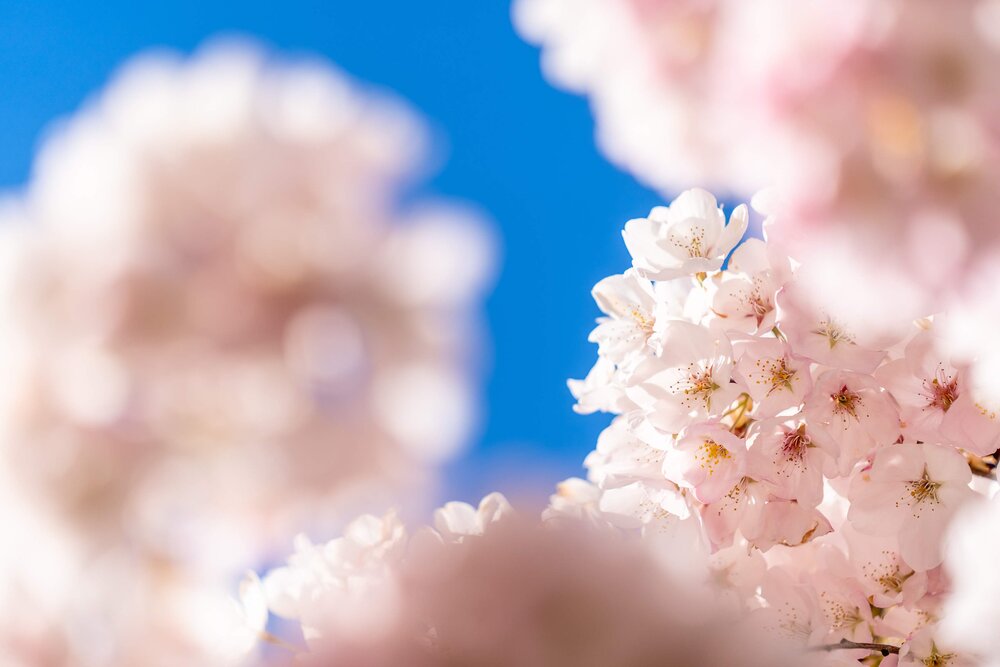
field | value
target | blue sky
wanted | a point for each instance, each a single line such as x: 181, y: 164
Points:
x: 518, y: 148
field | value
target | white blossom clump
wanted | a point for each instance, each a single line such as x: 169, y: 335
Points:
x: 220, y: 324
x: 818, y: 459
x: 873, y: 122
x: 505, y: 591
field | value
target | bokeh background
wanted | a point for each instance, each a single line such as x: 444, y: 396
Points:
x: 505, y: 140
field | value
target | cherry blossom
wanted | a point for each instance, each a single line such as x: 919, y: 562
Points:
x: 783, y: 453
x: 822, y: 336
x: 746, y: 290
x: 621, y: 457
x: 851, y: 415
x: 456, y: 520
x: 708, y: 459
x: 924, y: 648
x: 690, y: 236
x: 911, y: 491
x: 629, y: 302
x: 689, y: 380
x: 774, y: 376
x: 924, y: 386
x: 887, y: 580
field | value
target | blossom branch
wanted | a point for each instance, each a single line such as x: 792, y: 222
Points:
x: 985, y: 466
x: 885, y: 649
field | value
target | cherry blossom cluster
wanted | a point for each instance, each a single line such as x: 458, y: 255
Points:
x: 219, y: 326
x: 818, y: 457
x: 485, y: 586
x: 873, y: 121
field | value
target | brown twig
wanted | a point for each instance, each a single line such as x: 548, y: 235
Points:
x: 885, y: 649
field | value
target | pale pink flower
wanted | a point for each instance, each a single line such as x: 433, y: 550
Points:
x: 791, y: 613
x: 924, y: 385
x: 783, y: 453
x: 973, y: 421
x: 788, y: 523
x: 887, y: 580
x: 745, y: 294
x: 844, y: 611
x: 620, y: 457
x: 774, y: 376
x: 688, y: 237
x: 601, y: 391
x: 911, y: 491
x: 707, y: 459
x: 654, y: 505
x: 576, y: 500
x: 457, y: 520
x: 689, y: 380
x: 850, y: 416
x: 927, y: 648
x: 817, y: 334
x: 630, y: 306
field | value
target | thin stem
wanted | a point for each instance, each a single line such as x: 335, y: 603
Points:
x: 885, y: 649
x: 985, y: 466
x: 739, y: 413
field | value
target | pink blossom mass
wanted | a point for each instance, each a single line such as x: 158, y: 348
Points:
x: 248, y: 392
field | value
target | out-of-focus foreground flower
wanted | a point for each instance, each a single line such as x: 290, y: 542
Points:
x: 217, y: 326
x: 872, y: 123
x: 489, y: 587
x: 972, y: 561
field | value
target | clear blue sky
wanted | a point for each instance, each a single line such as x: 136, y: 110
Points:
x: 519, y: 148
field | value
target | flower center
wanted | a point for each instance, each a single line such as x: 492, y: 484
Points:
x: 833, y: 333
x: 711, y: 454
x: 702, y: 385
x: 921, y: 494
x: 846, y: 401
x: 941, y: 391
x: 795, y: 444
x: 938, y: 659
x: 759, y: 307
x: 642, y: 320
x: 924, y: 490
x: 839, y: 615
x: 694, y: 244
x: 781, y: 376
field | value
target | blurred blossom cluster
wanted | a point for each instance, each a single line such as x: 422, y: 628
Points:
x: 818, y: 460
x: 486, y: 586
x: 973, y: 555
x: 872, y: 124
x: 219, y: 326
